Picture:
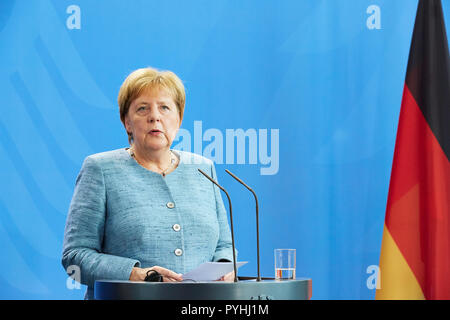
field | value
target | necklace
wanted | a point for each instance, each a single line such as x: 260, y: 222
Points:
x: 163, y: 172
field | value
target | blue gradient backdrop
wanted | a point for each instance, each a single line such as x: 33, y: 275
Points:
x: 311, y: 68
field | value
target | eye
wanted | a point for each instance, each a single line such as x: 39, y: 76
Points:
x: 142, y: 110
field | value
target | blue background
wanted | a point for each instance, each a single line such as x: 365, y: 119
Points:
x: 311, y: 68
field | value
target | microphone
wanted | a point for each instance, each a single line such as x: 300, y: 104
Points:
x: 231, y: 222
x: 257, y: 219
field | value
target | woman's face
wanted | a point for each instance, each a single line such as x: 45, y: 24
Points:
x: 153, y: 119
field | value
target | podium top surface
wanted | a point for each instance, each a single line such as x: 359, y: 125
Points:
x: 299, y: 289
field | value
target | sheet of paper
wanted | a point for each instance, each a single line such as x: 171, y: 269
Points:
x: 211, y: 271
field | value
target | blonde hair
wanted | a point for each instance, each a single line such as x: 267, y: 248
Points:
x: 149, y: 78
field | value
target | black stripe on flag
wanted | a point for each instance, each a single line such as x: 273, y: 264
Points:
x: 428, y: 75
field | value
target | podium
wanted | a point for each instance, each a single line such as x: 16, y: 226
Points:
x: 299, y: 289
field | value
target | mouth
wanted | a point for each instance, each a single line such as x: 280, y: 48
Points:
x: 155, y: 132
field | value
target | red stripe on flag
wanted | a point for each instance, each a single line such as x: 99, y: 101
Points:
x: 422, y: 228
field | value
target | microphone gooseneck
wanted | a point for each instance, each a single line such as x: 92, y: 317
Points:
x: 257, y: 219
x: 231, y: 222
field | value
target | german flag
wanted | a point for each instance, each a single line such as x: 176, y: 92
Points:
x: 415, y: 251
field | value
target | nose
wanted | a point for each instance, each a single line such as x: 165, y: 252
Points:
x: 154, y: 115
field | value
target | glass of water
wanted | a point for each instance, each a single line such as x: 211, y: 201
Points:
x: 284, y: 264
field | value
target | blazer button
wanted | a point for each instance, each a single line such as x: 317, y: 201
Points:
x: 170, y: 205
x: 178, y: 252
x: 176, y: 227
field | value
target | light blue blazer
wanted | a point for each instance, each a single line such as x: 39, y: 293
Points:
x: 123, y: 216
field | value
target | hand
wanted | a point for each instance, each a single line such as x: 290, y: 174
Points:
x: 229, y: 277
x: 139, y: 274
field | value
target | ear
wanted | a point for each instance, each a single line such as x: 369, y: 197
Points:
x: 180, y: 120
x: 127, y: 124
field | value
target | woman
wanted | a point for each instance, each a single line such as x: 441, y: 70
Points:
x: 146, y: 207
